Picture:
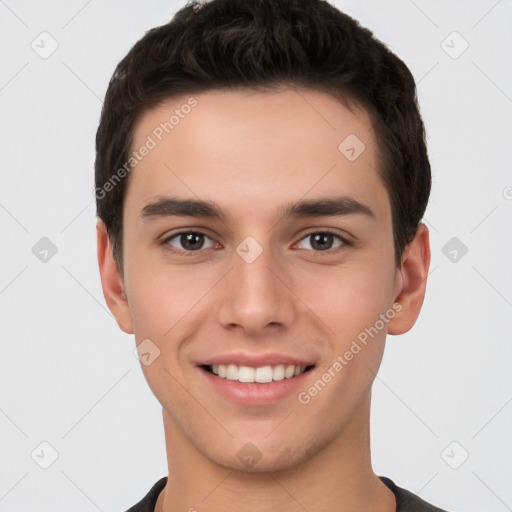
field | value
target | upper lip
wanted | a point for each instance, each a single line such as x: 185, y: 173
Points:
x: 255, y: 360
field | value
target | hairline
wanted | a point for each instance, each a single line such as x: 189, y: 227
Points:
x: 345, y: 95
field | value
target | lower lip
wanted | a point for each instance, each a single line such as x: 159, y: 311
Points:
x: 254, y: 393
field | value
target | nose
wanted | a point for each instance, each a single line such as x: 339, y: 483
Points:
x: 255, y: 295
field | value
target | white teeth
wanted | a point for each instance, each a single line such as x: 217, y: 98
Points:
x: 245, y: 374
x: 288, y: 373
x: 278, y: 372
x: 263, y: 374
x: 232, y: 372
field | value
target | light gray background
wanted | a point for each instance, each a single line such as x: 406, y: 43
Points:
x: 68, y: 375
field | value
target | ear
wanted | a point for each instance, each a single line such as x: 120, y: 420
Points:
x: 112, y: 281
x: 411, y: 282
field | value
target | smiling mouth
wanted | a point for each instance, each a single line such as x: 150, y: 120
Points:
x: 260, y: 375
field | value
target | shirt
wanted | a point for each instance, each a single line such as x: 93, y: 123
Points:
x: 405, y: 501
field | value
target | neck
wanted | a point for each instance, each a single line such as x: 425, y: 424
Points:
x: 339, y: 477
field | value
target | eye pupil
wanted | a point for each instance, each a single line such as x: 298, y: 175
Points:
x: 319, y: 241
x: 192, y: 240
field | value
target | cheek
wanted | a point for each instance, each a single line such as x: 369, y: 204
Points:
x: 348, y: 299
x: 350, y: 302
x: 162, y: 296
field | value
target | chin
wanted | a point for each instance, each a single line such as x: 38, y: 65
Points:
x: 269, y: 464
x: 251, y: 459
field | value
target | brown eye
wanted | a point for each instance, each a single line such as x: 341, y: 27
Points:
x: 323, y: 241
x: 188, y: 241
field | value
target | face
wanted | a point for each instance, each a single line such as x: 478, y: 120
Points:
x: 285, y: 274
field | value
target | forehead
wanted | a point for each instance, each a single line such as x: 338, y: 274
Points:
x: 245, y: 146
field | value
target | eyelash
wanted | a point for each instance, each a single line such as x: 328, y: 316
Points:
x: 166, y: 241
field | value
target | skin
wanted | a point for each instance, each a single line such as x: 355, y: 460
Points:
x: 253, y: 152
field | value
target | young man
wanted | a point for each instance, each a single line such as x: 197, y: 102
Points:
x: 261, y: 175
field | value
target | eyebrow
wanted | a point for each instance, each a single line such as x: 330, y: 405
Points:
x: 322, y: 207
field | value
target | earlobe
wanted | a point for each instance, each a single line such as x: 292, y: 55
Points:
x: 412, y: 279
x: 112, y: 281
